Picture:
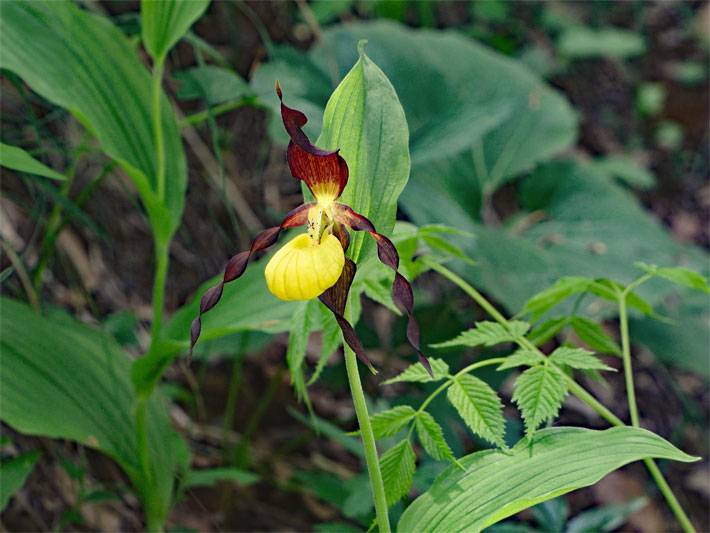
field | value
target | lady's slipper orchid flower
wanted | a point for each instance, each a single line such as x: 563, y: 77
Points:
x: 314, y: 264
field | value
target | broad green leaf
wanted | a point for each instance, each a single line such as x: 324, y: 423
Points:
x: 60, y: 379
x: 109, y: 92
x: 388, y: 423
x: 488, y: 334
x: 210, y: 476
x: 594, y: 335
x: 584, y: 42
x: 431, y: 435
x: 521, y: 357
x: 548, y: 329
x: 416, y: 373
x: 479, y: 406
x: 397, y: 465
x: 13, y: 474
x: 215, y: 84
x: 539, y: 393
x: 17, y: 159
x: 679, y: 275
x: 365, y: 120
x: 626, y: 169
x: 164, y: 22
x: 605, y: 517
x: 496, y: 485
x: 550, y: 297
x: 578, y: 358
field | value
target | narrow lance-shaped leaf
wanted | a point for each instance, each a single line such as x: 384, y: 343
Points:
x: 17, y: 159
x: 679, y: 275
x: 594, y: 335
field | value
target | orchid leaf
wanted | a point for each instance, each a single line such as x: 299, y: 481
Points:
x: 164, y: 22
x: 397, y: 465
x: 557, y: 461
x: 110, y: 93
x: 539, y: 393
x: 416, y: 373
x: 388, y: 423
x: 479, y: 406
x: 594, y: 335
x: 61, y: 379
x: 488, y: 334
x: 365, y: 120
x: 17, y: 159
x: 13, y: 474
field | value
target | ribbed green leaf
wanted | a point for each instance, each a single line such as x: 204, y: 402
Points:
x: 521, y: 357
x: 163, y: 22
x: 496, y: 485
x: 578, y: 358
x: 548, y: 329
x: 82, y: 62
x: 550, y: 297
x: 539, y: 393
x: 487, y: 334
x: 397, y: 466
x: 432, y: 437
x: 416, y: 373
x: 61, y: 379
x: 17, y: 159
x: 14, y: 473
x: 593, y: 334
x: 679, y: 275
x: 366, y: 121
x: 479, y: 406
x: 387, y: 423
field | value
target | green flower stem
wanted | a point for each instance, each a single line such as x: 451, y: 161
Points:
x: 368, y: 437
x: 161, y: 270
x: 158, y: 125
x: 577, y: 389
x: 151, y: 503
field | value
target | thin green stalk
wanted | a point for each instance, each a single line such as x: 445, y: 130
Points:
x: 158, y: 125
x: 368, y: 437
x: 217, y: 110
x: 626, y: 356
x: 150, y: 496
x: 577, y: 389
x: 161, y: 270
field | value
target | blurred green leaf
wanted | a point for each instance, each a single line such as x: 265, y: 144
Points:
x: 108, y: 92
x: 13, y: 474
x: 627, y: 170
x: 650, y: 98
x: 17, y: 159
x: 583, y: 42
x: 605, y: 518
x: 164, y: 22
x: 210, y: 476
x: 594, y: 335
x: 548, y: 329
x: 558, y: 461
x: 214, y: 84
x: 679, y: 275
x: 61, y: 379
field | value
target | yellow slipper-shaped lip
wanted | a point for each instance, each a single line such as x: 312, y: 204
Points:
x: 302, y: 271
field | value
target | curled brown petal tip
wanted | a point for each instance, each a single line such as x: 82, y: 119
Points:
x: 387, y: 253
x: 238, y: 264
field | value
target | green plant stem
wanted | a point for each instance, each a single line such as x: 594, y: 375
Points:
x: 161, y: 270
x: 626, y: 356
x: 158, y: 126
x: 577, y: 389
x: 217, y: 110
x: 149, y: 494
x: 368, y: 437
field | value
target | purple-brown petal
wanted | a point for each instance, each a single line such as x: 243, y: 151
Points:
x: 324, y: 172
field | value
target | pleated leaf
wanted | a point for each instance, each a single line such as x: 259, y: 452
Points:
x: 82, y: 62
x: 496, y: 485
x: 578, y: 358
x: 387, y: 423
x: 479, y: 406
x: 397, y: 466
x: 431, y: 435
x: 416, y: 373
x: 61, y: 379
x: 487, y: 334
x: 539, y: 393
